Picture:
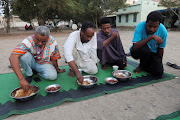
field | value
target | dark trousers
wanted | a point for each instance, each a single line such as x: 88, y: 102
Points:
x: 118, y: 63
x: 110, y: 59
x: 149, y: 61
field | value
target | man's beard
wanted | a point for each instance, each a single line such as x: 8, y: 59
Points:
x: 86, y: 41
x: 40, y: 46
x: 150, y: 32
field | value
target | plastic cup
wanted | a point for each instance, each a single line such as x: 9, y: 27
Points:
x: 115, y: 67
x: 80, y: 70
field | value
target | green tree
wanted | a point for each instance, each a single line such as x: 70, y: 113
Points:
x: 93, y: 10
x: 111, y: 6
x: 56, y: 10
x: 43, y: 10
x: 170, y: 4
x: 25, y: 9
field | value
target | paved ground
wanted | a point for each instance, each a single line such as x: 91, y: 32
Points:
x: 141, y: 103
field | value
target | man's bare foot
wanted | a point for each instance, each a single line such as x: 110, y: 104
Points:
x: 71, y: 73
x: 104, y: 67
x: 137, y: 70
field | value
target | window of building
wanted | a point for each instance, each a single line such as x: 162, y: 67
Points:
x: 134, y: 17
x: 126, y: 18
x: 119, y: 18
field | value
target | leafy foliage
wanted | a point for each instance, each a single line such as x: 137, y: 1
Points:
x: 56, y: 10
x: 170, y: 4
x: 26, y: 10
x: 111, y: 6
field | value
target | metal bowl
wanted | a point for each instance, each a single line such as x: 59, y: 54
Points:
x: 91, y: 79
x: 32, y: 87
x: 53, y: 88
x: 122, y: 75
x: 111, y: 80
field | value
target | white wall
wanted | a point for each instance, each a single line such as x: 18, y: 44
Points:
x: 142, y: 7
x: 147, y: 7
x: 130, y: 10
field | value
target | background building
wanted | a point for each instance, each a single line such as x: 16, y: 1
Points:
x: 132, y: 15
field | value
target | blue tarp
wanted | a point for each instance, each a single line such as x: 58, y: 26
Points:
x: 167, y: 9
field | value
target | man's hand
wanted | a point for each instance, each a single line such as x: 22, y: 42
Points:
x: 157, y: 39
x: 80, y: 78
x: 114, y: 34
x: 125, y: 63
x: 24, y: 84
x: 61, y: 70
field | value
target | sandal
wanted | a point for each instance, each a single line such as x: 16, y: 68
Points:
x: 173, y: 65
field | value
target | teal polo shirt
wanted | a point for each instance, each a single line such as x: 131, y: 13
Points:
x: 140, y: 34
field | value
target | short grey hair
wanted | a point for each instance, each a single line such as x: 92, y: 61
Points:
x: 42, y: 30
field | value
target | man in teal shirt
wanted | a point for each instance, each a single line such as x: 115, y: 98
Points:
x: 148, y: 44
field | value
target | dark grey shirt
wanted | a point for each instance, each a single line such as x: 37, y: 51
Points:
x: 111, y: 53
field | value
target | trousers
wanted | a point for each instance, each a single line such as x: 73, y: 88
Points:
x: 149, y: 61
x: 88, y: 66
x: 46, y: 71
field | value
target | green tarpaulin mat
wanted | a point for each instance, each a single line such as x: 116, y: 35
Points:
x: 172, y: 116
x: 70, y: 91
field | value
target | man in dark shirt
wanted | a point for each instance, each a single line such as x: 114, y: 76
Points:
x: 109, y: 47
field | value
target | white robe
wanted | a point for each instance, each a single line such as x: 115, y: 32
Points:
x: 84, y: 55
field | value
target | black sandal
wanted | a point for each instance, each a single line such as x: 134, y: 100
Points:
x: 173, y: 65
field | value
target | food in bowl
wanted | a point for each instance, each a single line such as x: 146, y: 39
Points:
x: 86, y: 82
x: 120, y: 75
x: 22, y: 93
x: 89, y: 81
x: 53, y: 88
x: 28, y: 96
x: 111, y: 80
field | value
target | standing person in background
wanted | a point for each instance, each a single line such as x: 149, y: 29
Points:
x: 110, y: 49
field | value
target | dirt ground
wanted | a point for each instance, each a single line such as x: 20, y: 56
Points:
x: 142, y: 103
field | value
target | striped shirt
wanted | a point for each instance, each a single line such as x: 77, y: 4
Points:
x: 41, y: 54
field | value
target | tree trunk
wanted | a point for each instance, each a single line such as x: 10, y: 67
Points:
x: 7, y: 13
x: 41, y: 22
x: 8, y: 25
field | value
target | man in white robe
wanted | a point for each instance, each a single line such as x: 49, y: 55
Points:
x: 80, y: 51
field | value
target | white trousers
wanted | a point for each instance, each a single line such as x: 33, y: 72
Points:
x: 88, y: 66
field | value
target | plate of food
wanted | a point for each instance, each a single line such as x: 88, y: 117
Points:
x: 53, y: 88
x: 111, y: 80
x: 122, y: 75
x: 89, y: 81
x: 20, y: 95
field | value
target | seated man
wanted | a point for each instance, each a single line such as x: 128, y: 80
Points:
x: 110, y: 49
x: 80, y: 51
x: 38, y: 53
x: 148, y: 44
